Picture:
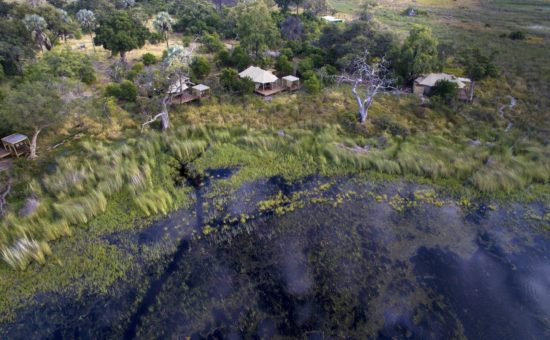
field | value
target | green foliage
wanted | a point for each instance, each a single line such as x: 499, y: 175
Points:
x: 479, y: 66
x: 33, y: 106
x: 445, y: 90
x: 231, y: 82
x: 126, y: 90
x: 419, y: 54
x: 312, y: 84
x: 62, y: 63
x: 120, y: 33
x: 212, y: 42
x: 200, y: 67
x: 238, y: 58
x: 255, y: 26
x: 196, y: 17
x: 149, y: 59
x: 284, y: 66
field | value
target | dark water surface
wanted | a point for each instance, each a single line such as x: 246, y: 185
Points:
x: 343, y: 263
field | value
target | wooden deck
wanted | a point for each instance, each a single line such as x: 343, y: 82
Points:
x: 270, y: 92
x: 184, y: 98
x: 3, y: 153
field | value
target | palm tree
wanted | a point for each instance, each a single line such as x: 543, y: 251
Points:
x: 163, y: 24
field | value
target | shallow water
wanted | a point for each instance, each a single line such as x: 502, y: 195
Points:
x: 350, y: 265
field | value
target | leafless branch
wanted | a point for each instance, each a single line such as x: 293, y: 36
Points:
x: 367, y: 80
x: 163, y: 115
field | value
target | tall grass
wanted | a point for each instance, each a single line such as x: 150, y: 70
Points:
x: 79, y: 190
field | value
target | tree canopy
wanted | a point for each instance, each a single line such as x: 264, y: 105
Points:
x: 255, y: 27
x: 32, y: 107
x: 419, y: 53
x: 120, y: 33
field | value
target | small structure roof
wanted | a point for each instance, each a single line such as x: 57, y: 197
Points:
x: 433, y: 78
x: 14, y: 139
x: 258, y: 75
x: 330, y: 18
x: 291, y: 78
x: 201, y: 87
x: 177, y: 88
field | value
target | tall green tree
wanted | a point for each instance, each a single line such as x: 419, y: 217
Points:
x: 255, y: 27
x: 120, y: 33
x: 419, y: 53
x: 478, y: 66
x: 33, y: 107
x: 163, y: 24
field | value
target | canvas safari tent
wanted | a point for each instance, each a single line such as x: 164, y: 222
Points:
x: 266, y: 82
x: 423, y: 84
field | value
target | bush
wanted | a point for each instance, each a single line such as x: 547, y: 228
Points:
x: 87, y: 76
x: 123, y: 91
x: 517, y: 35
x: 212, y: 43
x: 231, y: 82
x: 237, y: 58
x: 445, y: 90
x: 155, y: 38
x: 312, y: 84
x: 149, y: 59
x: 135, y: 71
x: 128, y: 91
x: 284, y: 66
x: 200, y: 67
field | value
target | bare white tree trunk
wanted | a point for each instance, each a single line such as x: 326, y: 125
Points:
x: 3, y: 198
x: 34, y: 140
x: 368, y: 80
x: 162, y: 115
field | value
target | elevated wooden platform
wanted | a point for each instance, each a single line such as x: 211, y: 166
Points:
x: 4, y: 153
x: 184, y: 98
x: 271, y: 91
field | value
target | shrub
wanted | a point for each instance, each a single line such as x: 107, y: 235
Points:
x: 200, y: 67
x: 155, y: 38
x: 283, y: 65
x: 87, y: 76
x: 212, y: 42
x: 312, y: 84
x: 517, y: 35
x: 231, y: 82
x: 126, y: 90
x: 446, y: 90
x: 112, y: 90
x: 149, y: 59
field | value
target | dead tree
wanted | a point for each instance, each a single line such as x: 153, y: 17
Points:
x: 367, y: 81
x: 3, y: 198
x: 162, y: 115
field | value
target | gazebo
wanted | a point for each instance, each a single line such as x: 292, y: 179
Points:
x: 291, y: 83
x: 201, y: 91
x: 16, y: 145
